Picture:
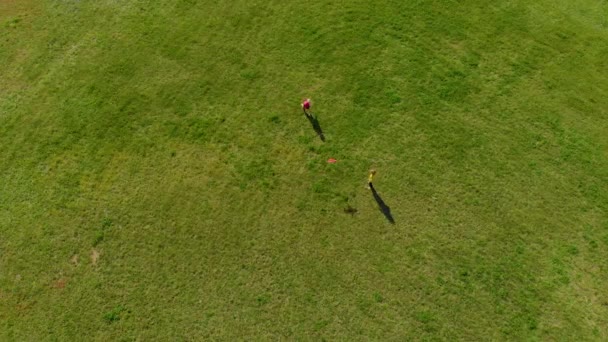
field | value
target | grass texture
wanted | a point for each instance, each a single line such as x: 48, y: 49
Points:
x: 160, y: 182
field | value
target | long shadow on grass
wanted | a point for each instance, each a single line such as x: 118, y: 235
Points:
x: 315, y: 125
x: 385, y: 209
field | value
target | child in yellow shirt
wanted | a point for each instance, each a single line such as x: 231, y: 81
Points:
x: 370, y: 178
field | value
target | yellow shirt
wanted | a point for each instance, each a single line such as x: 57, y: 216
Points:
x: 370, y: 178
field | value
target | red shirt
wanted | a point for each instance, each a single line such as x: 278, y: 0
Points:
x: 306, y: 104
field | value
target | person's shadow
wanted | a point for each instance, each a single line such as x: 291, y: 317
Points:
x: 315, y: 125
x: 385, y: 209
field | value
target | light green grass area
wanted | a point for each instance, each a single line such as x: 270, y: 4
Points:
x: 160, y: 182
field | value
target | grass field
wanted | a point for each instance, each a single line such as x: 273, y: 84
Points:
x: 160, y: 182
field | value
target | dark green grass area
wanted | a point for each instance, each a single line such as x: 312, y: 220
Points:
x: 159, y: 180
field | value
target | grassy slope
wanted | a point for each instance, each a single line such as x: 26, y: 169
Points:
x: 158, y: 179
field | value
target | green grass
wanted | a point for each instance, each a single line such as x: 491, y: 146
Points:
x: 159, y: 181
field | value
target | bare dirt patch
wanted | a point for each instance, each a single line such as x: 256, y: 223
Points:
x: 94, y: 256
x: 74, y: 260
x: 60, y: 283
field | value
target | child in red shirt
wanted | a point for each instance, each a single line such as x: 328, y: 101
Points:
x: 306, y: 106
